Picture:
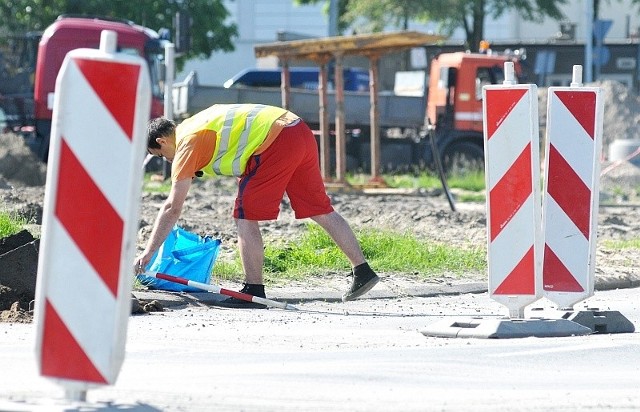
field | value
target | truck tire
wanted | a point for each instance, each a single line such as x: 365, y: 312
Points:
x: 463, y: 157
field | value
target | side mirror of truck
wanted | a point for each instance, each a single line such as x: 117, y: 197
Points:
x: 451, y: 77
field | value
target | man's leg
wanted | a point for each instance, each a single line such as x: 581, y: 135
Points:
x: 364, y: 278
x: 251, y: 250
x: 309, y: 198
x: 252, y: 256
x: 341, y: 233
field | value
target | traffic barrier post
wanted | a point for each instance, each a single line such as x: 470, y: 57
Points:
x: 571, y: 191
x: 571, y: 202
x: 83, y: 295
x: 514, y: 221
x: 512, y: 181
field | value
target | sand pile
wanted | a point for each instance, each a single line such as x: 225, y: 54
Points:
x: 18, y: 165
x: 621, y: 117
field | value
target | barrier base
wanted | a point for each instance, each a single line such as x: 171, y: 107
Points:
x: 504, y: 328
x: 607, y: 321
x: 61, y: 405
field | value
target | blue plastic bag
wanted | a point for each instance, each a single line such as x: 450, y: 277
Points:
x: 183, y: 254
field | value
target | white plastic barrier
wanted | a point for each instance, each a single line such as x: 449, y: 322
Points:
x: 512, y: 180
x: 83, y: 300
x: 571, y: 193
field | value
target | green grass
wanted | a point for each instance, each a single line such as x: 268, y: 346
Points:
x: 155, y: 186
x: 315, y: 253
x: 10, y: 225
x: 422, y: 181
x: 622, y: 244
x: 471, y: 197
x: 471, y: 181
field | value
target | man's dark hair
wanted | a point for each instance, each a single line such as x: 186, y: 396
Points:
x: 157, y: 128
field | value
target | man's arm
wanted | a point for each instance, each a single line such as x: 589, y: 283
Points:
x: 166, y: 219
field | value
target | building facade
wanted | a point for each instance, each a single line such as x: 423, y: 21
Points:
x: 263, y: 21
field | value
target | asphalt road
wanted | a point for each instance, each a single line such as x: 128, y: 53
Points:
x: 367, y: 355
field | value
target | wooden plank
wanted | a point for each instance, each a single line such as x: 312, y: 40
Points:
x: 360, y: 44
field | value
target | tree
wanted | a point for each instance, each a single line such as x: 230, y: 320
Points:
x: 209, y: 32
x: 375, y: 16
x: 451, y: 14
x: 342, y: 5
x: 471, y: 14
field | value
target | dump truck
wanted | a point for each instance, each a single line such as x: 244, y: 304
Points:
x: 451, y: 102
x: 28, y: 109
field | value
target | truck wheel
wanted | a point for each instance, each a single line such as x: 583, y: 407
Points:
x: 463, y: 157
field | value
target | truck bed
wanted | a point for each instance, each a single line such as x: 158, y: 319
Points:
x: 189, y: 97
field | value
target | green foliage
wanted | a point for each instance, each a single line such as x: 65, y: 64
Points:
x: 209, y: 31
x: 622, y: 244
x: 471, y: 197
x: 376, y: 15
x: 343, y: 25
x: 227, y: 270
x: 472, y: 181
x: 315, y: 253
x: 406, y: 253
x: 154, y: 185
x: 10, y: 225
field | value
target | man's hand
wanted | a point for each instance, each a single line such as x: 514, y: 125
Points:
x: 141, y: 263
x: 166, y: 219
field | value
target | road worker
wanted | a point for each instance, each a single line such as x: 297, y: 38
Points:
x: 272, y: 152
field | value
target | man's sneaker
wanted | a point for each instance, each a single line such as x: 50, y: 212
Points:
x: 364, y: 279
x: 250, y: 289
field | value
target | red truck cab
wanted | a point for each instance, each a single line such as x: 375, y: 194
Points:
x: 454, y: 103
x: 69, y: 33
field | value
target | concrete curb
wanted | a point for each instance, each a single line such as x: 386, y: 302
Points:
x: 179, y: 299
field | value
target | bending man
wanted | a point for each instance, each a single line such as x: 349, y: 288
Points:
x: 272, y: 151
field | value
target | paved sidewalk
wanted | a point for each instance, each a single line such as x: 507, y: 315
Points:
x: 387, y: 288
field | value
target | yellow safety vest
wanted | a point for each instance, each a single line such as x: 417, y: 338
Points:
x: 240, y: 130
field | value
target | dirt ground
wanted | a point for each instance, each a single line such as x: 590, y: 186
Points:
x: 422, y: 213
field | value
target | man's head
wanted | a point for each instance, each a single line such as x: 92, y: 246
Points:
x: 159, y: 128
x: 161, y: 138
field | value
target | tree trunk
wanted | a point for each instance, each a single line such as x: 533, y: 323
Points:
x: 478, y: 24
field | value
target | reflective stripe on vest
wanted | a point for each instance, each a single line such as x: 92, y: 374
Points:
x: 225, y: 136
x: 240, y: 130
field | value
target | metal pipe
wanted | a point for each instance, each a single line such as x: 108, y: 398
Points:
x: 222, y: 291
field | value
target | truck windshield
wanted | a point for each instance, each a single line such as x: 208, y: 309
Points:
x: 154, y: 53
x: 155, y: 61
x: 486, y: 76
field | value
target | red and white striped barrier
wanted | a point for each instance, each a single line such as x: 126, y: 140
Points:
x: 83, y: 301
x: 571, y: 193
x: 222, y: 291
x: 512, y: 181
x: 520, y: 269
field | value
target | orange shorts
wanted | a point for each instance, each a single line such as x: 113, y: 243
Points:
x: 290, y: 165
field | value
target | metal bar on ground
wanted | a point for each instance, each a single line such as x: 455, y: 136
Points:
x: 217, y: 289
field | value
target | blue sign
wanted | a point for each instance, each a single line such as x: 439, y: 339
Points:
x: 601, y: 28
x: 601, y: 55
